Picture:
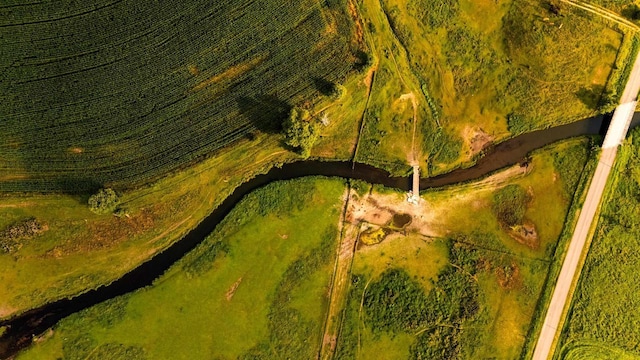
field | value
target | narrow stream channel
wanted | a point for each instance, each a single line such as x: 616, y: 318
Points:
x: 20, y: 330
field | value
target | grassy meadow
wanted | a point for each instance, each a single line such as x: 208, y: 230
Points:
x: 480, y: 71
x: 82, y: 250
x: 258, y: 286
x: 603, y: 321
x: 473, y: 293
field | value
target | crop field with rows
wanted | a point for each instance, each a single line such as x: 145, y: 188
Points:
x: 120, y: 92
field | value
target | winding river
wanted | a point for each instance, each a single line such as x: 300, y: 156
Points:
x: 20, y: 330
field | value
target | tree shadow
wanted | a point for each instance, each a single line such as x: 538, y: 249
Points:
x: 363, y: 61
x: 79, y: 189
x: 266, y: 112
x: 631, y: 12
x: 325, y: 87
x: 591, y: 97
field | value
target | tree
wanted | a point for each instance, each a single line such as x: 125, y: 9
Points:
x: 105, y: 201
x: 301, y: 132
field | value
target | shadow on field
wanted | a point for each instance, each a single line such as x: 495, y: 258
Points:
x: 325, y: 87
x: 79, y: 188
x: 591, y: 97
x: 266, y: 112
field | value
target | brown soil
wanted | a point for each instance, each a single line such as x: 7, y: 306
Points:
x: 109, y: 232
x: 193, y: 70
x: 6, y: 310
x: 368, y: 78
x: 13, y: 177
x: 509, y: 276
x: 526, y: 234
x: 359, y: 34
x: 379, y: 210
x: 18, y: 204
x: 231, y: 72
x: 478, y: 139
x: 232, y: 289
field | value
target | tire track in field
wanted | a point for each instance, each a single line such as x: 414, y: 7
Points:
x: 339, y: 285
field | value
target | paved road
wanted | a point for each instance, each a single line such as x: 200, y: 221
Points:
x: 570, y: 267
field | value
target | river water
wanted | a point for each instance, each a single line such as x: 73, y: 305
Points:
x: 21, y: 329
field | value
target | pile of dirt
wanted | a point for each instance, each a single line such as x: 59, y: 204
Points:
x: 525, y: 234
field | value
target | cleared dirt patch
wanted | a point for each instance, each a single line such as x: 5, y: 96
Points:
x: 525, y: 234
x: 232, y: 290
x: 478, y: 140
x: 231, y: 72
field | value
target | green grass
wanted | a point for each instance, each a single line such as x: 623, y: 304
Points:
x: 501, y: 68
x: 619, y: 6
x: 509, y: 204
x: 508, y: 277
x: 602, y: 314
x: 124, y: 93
x: 279, y: 264
x: 278, y: 244
x: 82, y: 250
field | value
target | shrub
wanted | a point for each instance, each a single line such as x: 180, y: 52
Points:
x: 11, y: 238
x: 518, y: 124
x: 104, y: 201
x: 510, y: 204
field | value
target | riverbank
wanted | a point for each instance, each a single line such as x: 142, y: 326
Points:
x: 185, y: 283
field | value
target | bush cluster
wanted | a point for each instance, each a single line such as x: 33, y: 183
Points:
x: 105, y: 201
x: 510, y: 204
x: 11, y: 238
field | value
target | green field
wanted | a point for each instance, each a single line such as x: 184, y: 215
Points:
x: 481, y: 71
x: 256, y: 287
x: 99, y: 92
x: 604, y: 321
x: 474, y: 294
x: 81, y: 250
x: 110, y: 99
x: 176, y: 105
x: 267, y: 268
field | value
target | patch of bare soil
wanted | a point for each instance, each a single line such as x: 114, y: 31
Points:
x: 231, y: 73
x: 525, y: 234
x: 368, y: 78
x: 106, y: 233
x: 43, y: 337
x: 232, y: 290
x: 18, y: 204
x: 6, y: 310
x: 508, y: 276
x: 478, y: 139
x: 359, y: 33
x: 380, y: 209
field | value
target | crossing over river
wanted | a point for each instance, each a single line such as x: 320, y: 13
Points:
x: 20, y: 330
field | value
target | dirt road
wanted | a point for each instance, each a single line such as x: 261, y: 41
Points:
x: 571, y: 266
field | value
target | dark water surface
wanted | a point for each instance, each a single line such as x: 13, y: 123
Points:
x: 21, y: 329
